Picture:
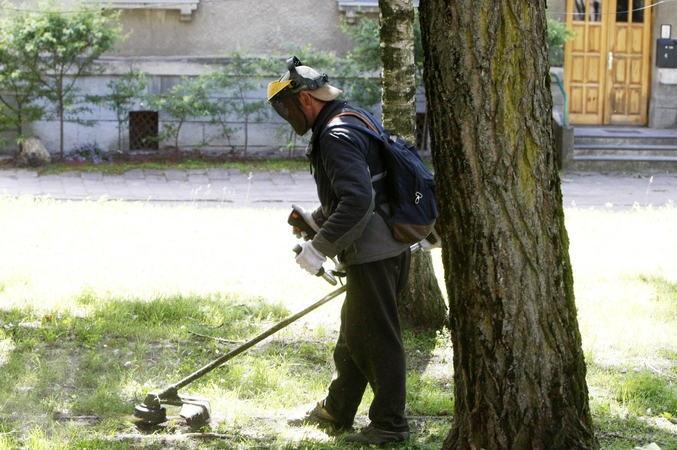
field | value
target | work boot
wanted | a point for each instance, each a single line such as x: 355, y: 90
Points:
x: 318, y: 416
x: 373, y: 435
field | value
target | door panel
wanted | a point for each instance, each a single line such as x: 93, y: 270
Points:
x: 607, y: 65
x: 592, y: 99
x: 584, y: 66
x: 629, y: 43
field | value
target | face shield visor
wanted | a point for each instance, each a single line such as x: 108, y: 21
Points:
x: 288, y: 107
x: 282, y: 94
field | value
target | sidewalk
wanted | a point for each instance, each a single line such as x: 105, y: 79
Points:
x: 211, y: 187
x: 618, y: 191
x: 232, y: 188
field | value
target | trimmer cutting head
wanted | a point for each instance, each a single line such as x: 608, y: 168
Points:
x: 196, y: 411
x: 150, y: 416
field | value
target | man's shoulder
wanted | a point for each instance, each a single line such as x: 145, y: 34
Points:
x: 349, y: 114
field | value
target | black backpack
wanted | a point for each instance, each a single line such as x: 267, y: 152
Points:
x: 413, y: 210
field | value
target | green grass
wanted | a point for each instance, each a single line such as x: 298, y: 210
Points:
x: 163, y: 161
x: 103, y: 302
x: 626, y: 291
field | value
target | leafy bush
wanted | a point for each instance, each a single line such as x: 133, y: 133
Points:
x: 87, y: 153
x: 56, y: 47
x: 558, y: 33
x: 236, y: 81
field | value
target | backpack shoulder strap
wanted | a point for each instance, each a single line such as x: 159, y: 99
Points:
x: 353, y: 114
x: 371, y: 128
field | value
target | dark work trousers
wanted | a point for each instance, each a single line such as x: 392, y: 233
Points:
x: 369, y: 347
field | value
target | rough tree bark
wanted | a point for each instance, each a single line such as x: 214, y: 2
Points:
x: 519, y: 369
x: 422, y: 304
x: 398, y: 79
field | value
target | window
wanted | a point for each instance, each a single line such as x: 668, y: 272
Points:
x: 143, y: 130
x: 186, y: 7
x: 595, y: 10
x: 352, y: 7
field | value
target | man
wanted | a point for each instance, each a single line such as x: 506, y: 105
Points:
x: 347, y: 165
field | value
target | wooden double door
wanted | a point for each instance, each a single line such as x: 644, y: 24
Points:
x: 607, y: 65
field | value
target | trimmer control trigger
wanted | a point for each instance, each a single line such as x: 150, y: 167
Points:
x: 321, y: 273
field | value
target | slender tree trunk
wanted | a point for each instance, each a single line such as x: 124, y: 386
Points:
x: 422, y: 304
x: 398, y: 79
x: 60, y: 101
x: 61, y: 118
x: 519, y: 369
x: 121, y: 137
x: 20, y: 130
x: 246, y: 135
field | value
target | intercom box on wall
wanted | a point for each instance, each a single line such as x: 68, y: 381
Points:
x: 666, y: 53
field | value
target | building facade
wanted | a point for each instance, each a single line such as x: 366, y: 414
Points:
x: 170, y: 39
x: 621, y: 69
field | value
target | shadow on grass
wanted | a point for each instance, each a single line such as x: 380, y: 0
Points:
x: 90, y: 367
x: 92, y: 362
x: 617, y: 433
x: 633, y: 407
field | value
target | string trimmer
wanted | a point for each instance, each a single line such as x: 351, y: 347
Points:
x: 197, y: 411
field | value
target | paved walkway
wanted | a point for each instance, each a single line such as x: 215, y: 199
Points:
x: 211, y: 187
x: 618, y: 190
x: 230, y: 187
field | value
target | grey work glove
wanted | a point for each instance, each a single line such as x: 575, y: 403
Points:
x: 310, y: 258
x: 307, y: 218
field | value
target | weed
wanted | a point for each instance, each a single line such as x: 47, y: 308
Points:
x: 646, y: 393
x: 429, y: 397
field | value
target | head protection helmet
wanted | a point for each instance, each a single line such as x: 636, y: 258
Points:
x: 282, y: 93
x: 302, y: 78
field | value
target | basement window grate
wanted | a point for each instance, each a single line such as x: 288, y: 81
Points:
x: 143, y: 130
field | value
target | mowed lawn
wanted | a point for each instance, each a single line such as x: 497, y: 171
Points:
x: 102, y: 302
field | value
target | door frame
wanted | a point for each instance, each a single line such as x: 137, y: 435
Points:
x: 591, y: 71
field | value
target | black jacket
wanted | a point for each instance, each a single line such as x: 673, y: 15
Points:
x: 344, y: 161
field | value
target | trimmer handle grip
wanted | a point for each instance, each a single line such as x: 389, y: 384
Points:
x: 320, y: 273
x: 296, y: 220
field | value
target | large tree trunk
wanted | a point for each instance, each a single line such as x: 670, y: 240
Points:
x: 422, y: 304
x: 519, y: 370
